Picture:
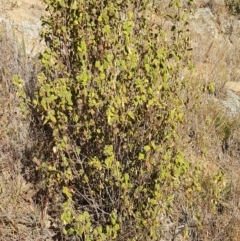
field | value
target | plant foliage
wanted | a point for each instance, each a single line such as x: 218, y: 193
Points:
x: 111, y: 99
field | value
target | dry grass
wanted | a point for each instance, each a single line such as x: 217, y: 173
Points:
x: 20, y: 217
x: 211, y: 140
x: 210, y: 137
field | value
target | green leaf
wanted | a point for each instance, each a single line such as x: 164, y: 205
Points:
x: 147, y: 148
x: 131, y: 115
x: 17, y: 81
x: 141, y: 156
x: 67, y: 192
x: 43, y: 104
x: 66, y: 217
x: 52, y: 118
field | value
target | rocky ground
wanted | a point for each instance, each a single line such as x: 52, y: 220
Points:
x: 216, y: 49
x: 23, y: 17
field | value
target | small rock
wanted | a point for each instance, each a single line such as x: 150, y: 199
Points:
x: 232, y: 102
x: 233, y: 86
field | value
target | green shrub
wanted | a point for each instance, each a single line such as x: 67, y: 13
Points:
x: 111, y: 99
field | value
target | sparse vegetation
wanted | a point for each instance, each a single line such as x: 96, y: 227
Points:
x: 112, y: 143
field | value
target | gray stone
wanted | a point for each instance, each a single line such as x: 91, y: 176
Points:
x: 232, y: 102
